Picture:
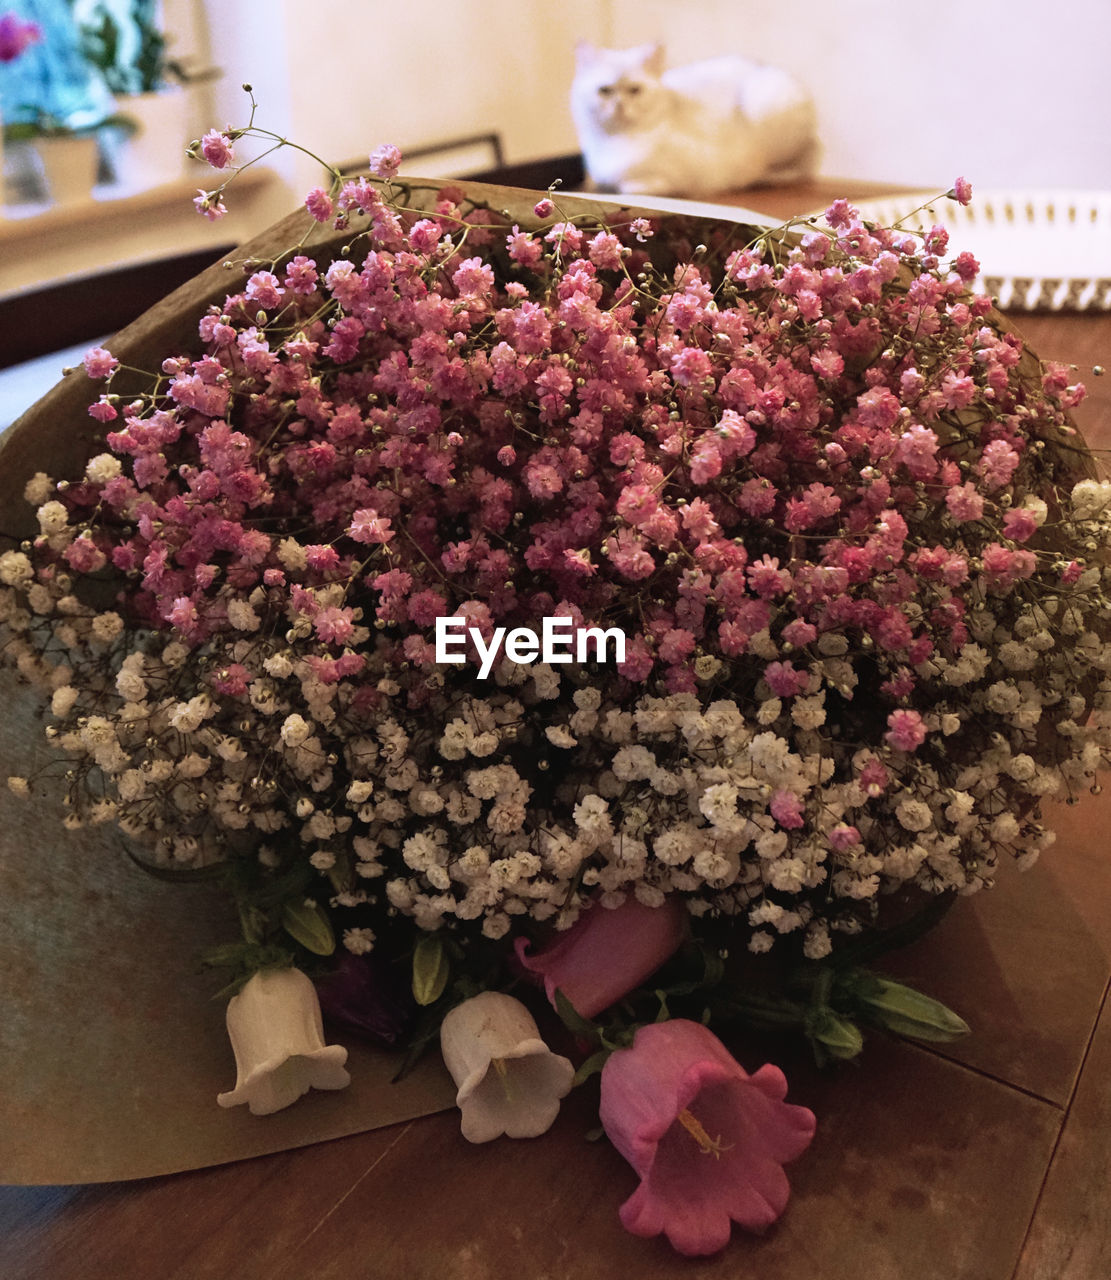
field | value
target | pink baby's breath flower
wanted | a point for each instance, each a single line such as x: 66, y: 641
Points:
x: 997, y: 464
x: 783, y: 680
x: 965, y: 503
x: 265, y: 289
x: 961, y: 191
x: 16, y: 35
x: 473, y: 278
x: 966, y: 266
x: 844, y: 837
x: 1019, y: 524
x: 605, y: 251
x: 905, y: 730
x: 99, y: 363
x: 103, y: 410
x: 841, y: 214
x: 786, y: 809
x: 368, y: 526
x: 1003, y: 567
x: 319, y: 204
x: 385, y: 161
x: 217, y: 149
x: 543, y: 208
x: 210, y: 204
x: 937, y: 240
x: 301, y: 275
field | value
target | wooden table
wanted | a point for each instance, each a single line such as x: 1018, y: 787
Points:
x: 989, y: 1160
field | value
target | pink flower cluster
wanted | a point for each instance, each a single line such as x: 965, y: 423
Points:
x: 16, y: 35
x: 736, y: 466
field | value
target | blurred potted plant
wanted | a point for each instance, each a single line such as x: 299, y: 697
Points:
x: 68, y: 152
x: 15, y: 36
x: 52, y: 104
x: 124, y: 43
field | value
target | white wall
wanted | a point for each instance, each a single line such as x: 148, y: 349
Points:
x: 342, y: 77
x: 1007, y: 92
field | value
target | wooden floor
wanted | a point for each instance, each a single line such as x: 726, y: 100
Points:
x: 990, y: 1160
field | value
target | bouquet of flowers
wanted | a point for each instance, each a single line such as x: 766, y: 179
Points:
x: 500, y: 598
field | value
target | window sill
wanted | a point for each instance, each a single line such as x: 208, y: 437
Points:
x: 44, y: 241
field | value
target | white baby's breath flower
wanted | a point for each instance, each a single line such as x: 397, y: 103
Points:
x: 913, y: 815
x: 53, y: 517
x: 15, y: 569
x: 107, y: 626
x: 588, y: 698
x: 592, y: 816
x: 359, y: 942
x: 295, y: 730
x: 187, y: 717
x: 769, y: 711
x: 817, y: 944
x: 241, y: 616
x: 1089, y: 498
x: 102, y: 468
x: 38, y: 489
x: 62, y: 701
x: 292, y: 555
x: 1004, y: 828
x: 809, y: 713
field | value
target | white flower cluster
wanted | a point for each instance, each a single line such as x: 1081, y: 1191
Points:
x: 785, y: 813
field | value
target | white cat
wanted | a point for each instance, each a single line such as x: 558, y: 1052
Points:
x: 698, y: 130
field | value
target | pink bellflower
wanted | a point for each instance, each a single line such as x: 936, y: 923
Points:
x: 707, y: 1139
x: 607, y: 952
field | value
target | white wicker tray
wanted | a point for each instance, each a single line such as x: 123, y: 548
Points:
x: 1038, y: 250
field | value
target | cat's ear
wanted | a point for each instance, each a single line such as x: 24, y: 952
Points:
x: 585, y: 53
x: 652, y: 58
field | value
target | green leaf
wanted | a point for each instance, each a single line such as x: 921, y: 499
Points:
x: 910, y: 1013
x: 430, y: 970
x: 307, y: 924
x: 836, y: 1036
x: 591, y: 1066
x: 290, y: 884
x: 572, y: 1019
x: 714, y: 967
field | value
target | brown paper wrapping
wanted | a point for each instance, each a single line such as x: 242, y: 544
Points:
x: 112, y: 1049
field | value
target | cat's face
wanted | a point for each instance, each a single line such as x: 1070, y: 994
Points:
x: 618, y: 90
